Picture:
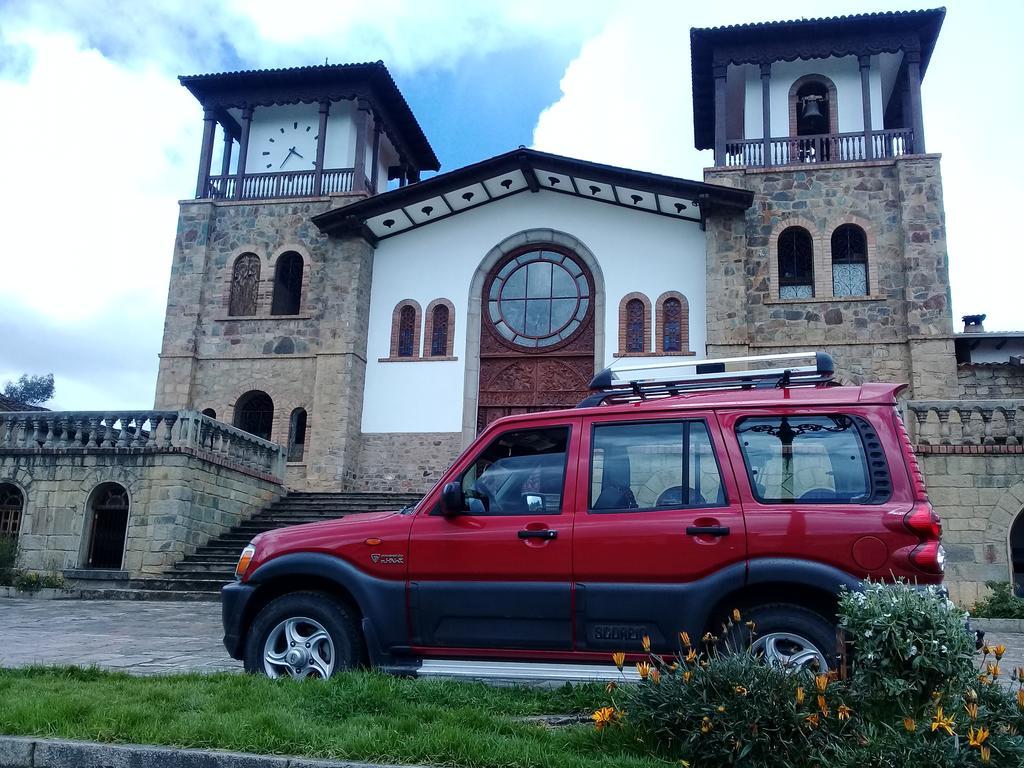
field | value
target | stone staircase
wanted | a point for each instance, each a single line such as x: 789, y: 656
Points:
x: 200, y: 576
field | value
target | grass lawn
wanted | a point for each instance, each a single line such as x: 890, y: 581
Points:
x: 355, y: 716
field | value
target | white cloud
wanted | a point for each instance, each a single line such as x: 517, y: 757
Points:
x: 626, y: 100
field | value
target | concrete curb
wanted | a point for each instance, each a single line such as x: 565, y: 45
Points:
x: 38, y: 594
x: 29, y: 752
x: 995, y: 626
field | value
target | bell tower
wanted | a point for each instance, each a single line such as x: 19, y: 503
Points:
x: 845, y: 247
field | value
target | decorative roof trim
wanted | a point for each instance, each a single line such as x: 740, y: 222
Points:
x: 527, y: 170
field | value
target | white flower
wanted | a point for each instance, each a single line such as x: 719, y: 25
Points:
x: 913, y: 650
x: 868, y: 633
x: 944, y: 649
x: 871, y: 656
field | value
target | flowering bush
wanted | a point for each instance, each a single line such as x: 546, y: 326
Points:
x: 916, y: 694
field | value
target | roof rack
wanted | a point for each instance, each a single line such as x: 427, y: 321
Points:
x: 611, y: 385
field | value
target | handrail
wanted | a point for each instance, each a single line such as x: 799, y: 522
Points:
x: 819, y: 148
x: 967, y: 422
x: 261, y: 186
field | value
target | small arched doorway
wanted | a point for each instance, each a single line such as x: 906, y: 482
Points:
x: 12, y: 502
x: 1017, y: 553
x: 254, y: 413
x: 108, y: 525
x: 536, y: 333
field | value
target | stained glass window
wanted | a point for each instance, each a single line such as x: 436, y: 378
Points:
x: 245, y: 285
x: 849, y: 261
x: 796, y: 264
x: 439, y: 332
x: 672, y: 326
x: 407, y: 331
x: 636, y: 326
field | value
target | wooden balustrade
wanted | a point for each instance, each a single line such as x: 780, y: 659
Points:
x: 823, y: 148
x: 967, y: 422
x: 154, y: 431
x: 262, y: 186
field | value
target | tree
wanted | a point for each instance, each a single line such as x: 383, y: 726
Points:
x: 31, y: 390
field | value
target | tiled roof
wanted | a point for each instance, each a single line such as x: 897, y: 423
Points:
x: 7, y: 404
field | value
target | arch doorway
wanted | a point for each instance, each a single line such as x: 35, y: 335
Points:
x: 1017, y: 553
x: 108, y: 525
x: 254, y: 413
x: 536, y: 333
x: 11, y: 503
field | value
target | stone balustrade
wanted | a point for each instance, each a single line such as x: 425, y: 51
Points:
x: 967, y: 422
x: 146, y: 431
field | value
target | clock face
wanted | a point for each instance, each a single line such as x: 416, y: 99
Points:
x: 292, y: 147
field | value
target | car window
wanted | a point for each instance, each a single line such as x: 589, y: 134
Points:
x: 518, y: 473
x: 805, y: 458
x: 652, y: 466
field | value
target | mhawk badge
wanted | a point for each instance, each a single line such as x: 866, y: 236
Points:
x: 388, y: 559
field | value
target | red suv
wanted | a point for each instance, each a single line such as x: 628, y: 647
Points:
x: 658, y: 505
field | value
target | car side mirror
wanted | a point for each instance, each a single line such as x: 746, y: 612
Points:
x: 453, y: 500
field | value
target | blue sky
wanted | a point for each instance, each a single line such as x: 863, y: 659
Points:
x: 98, y: 141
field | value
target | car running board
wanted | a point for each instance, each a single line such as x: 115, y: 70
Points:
x: 523, y: 672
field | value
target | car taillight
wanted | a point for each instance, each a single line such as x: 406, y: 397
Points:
x: 928, y: 556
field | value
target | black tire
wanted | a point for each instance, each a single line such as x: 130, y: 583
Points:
x: 335, y: 618
x: 780, y: 620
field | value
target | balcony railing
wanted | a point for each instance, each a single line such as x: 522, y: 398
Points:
x: 967, y: 422
x: 261, y: 186
x: 144, y: 431
x: 823, y: 148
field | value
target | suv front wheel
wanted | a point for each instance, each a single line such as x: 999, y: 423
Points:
x: 789, y: 636
x: 303, y: 634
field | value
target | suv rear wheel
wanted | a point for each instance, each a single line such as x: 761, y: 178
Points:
x: 789, y: 636
x: 303, y: 634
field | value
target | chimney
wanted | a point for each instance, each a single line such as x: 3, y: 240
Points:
x: 974, y: 323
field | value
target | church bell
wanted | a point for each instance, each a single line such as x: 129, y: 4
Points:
x: 811, y: 110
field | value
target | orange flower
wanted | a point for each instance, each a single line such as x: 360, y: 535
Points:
x: 705, y: 725
x: 644, y: 669
x: 684, y: 638
x: 709, y: 638
x: 735, y: 615
x: 687, y: 675
x: 655, y: 676
x: 741, y: 690
x: 721, y: 708
x: 977, y: 737
x: 972, y: 710
x: 799, y: 695
x: 822, y: 682
x: 1020, y: 699
x: 999, y: 651
x: 986, y: 754
x: 822, y: 705
x: 673, y: 667
x: 603, y: 717
x: 691, y: 656
x: 995, y: 671
x: 940, y: 722
x: 610, y: 687
x: 619, y: 658
x: 645, y: 643
x: 813, y: 719
x: 844, y: 712
x: 909, y: 724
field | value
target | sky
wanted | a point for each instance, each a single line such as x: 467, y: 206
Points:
x: 98, y: 141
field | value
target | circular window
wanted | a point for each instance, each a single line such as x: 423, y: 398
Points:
x: 539, y: 298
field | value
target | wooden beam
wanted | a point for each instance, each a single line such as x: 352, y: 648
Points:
x: 865, y: 96
x: 206, y: 152
x: 719, y: 73
x: 914, y: 84
x: 375, y: 168
x: 321, y: 147
x: 243, y: 152
x: 766, y: 114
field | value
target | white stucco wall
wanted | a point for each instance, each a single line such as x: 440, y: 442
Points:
x: 339, y: 150
x: 843, y: 71
x: 636, y: 251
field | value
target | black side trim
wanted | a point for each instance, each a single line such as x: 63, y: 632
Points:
x: 805, y: 573
x: 381, y: 601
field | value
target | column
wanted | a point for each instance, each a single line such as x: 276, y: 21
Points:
x: 865, y: 97
x: 321, y: 145
x: 766, y: 113
x: 359, y: 164
x: 243, y: 151
x: 375, y: 160
x: 206, y: 152
x: 719, y: 73
x: 914, y: 84
x: 225, y: 162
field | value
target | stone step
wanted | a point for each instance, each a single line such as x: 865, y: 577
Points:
x: 148, y: 594
x: 179, y: 585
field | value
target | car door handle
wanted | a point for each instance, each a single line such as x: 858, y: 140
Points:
x: 707, y: 530
x: 544, y: 533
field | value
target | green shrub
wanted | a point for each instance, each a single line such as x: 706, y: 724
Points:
x: 1001, y: 603
x: 8, y: 558
x: 27, y: 581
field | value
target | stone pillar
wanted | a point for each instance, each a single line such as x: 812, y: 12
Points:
x: 766, y: 113
x: 206, y: 152
x: 321, y: 145
x: 914, y: 87
x: 865, y: 97
x: 243, y: 151
x: 719, y: 73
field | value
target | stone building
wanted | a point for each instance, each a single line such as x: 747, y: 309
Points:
x: 325, y: 299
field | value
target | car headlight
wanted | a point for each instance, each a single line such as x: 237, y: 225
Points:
x: 243, y: 561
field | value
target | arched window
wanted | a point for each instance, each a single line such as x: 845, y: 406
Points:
x: 254, y: 413
x: 245, y: 285
x: 796, y: 264
x: 439, y: 329
x: 210, y: 412
x: 405, y: 330
x: 673, y: 331
x: 11, y: 504
x: 287, y: 285
x: 849, y: 261
x: 297, y: 435
x: 108, y: 524
x: 636, y: 326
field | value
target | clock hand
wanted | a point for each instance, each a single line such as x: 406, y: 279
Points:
x: 290, y: 153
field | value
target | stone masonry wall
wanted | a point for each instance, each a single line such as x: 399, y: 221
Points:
x: 977, y: 495
x: 405, y: 462
x: 987, y: 381
x: 177, y: 503
x: 901, y: 331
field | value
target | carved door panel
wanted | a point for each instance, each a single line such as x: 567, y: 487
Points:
x: 536, y: 335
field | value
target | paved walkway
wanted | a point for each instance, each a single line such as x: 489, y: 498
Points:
x: 147, y: 638
x: 139, y: 637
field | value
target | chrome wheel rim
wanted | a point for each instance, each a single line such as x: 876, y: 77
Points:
x: 789, y: 651
x: 299, y: 647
